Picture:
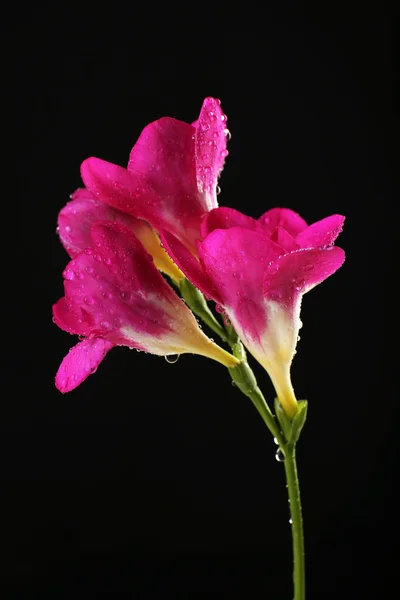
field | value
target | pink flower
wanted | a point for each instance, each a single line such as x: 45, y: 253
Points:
x: 114, y: 296
x: 172, y: 174
x: 77, y: 217
x: 258, y: 271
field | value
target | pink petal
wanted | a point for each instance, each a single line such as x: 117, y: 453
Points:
x: 69, y: 321
x: 282, y: 217
x: 210, y: 148
x: 165, y: 196
x: 188, y: 264
x: 81, y: 361
x: 322, y: 233
x: 235, y: 260
x: 111, y: 184
x: 298, y: 272
x: 128, y: 302
x: 225, y: 218
x: 77, y: 217
x: 112, y: 282
x: 284, y: 239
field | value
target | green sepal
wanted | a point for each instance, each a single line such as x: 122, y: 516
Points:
x: 291, y: 428
x: 242, y: 375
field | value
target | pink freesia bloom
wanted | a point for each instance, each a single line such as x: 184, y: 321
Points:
x: 114, y: 295
x: 172, y: 174
x: 258, y: 271
x: 77, y: 217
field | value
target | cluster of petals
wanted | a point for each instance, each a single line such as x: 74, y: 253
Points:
x: 114, y: 294
x: 256, y: 270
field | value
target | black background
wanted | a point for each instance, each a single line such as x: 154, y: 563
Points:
x: 154, y: 480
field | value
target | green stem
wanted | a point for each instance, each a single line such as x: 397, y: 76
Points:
x: 196, y: 301
x: 261, y: 405
x: 296, y: 522
x: 245, y: 380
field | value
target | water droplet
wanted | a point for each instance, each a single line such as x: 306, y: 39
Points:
x: 172, y: 358
x: 279, y: 456
x: 67, y: 228
x: 224, y: 153
x: 68, y: 274
x: 88, y: 251
x: 218, y: 190
x: 89, y: 300
x: 291, y: 521
x: 233, y: 384
x: 216, y: 134
x: 212, y: 115
x: 224, y: 118
x: 228, y: 134
x: 276, y: 442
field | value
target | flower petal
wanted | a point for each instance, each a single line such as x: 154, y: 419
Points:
x: 225, y: 218
x: 235, y: 260
x: 77, y: 217
x: 210, y: 149
x: 163, y: 165
x: 81, y: 361
x: 188, y: 264
x: 128, y: 302
x: 69, y: 321
x: 322, y: 233
x: 282, y: 217
x: 299, y: 271
x: 284, y: 239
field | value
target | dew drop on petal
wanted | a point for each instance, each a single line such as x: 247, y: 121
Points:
x: 68, y: 274
x: 172, y: 358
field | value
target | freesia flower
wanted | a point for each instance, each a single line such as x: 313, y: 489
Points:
x: 115, y: 296
x: 172, y: 174
x: 77, y: 217
x: 258, y: 271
